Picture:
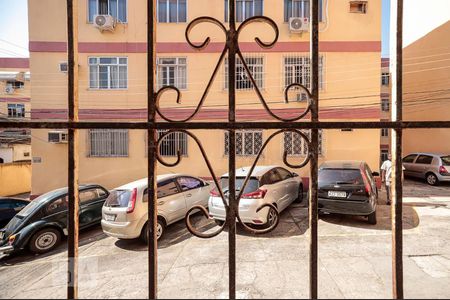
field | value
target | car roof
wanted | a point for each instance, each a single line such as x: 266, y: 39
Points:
x: 342, y: 164
x: 428, y: 153
x: 143, y: 182
x: 258, y: 171
x: 61, y: 191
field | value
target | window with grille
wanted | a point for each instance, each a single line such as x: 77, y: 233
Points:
x: 299, y: 9
x: 246, y: 9
x: 108, y: 72
x: 16, y: 110
x: 172, y: 71
x: 108, y: 142
x: 115, y: 8
x: 248, y: 143
x: 297, y: 69
x: 243, y: 82
x: 384, y: 132
x: 385, y: 104
x: 172, y: 11
x: 385, y: 78
x: 172, y: 143
x: 295, y: 145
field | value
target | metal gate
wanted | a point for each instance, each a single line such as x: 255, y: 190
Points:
x: 231, y: 201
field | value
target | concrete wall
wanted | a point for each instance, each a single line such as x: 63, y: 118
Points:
x: 15, y: 178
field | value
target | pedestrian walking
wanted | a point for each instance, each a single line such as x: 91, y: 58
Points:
x: 386, y: 177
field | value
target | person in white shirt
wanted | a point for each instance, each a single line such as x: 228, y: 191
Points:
x: 386, y: 177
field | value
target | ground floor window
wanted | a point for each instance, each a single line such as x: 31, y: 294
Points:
x: 172, y: 143
x: 295, y: 145
x: 108, y: 142
x: 248, y: 143
x: 384, y: 155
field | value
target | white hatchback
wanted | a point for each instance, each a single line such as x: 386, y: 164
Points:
x: 267, y: 185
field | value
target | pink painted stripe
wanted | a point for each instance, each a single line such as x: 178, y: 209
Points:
x: 182, y: 47
x: 12, y: 99
x: 14, y: 63
x: 384, y: 62
x: 384, y: 147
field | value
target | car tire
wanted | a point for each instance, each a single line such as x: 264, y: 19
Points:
x: 44, y: 240
x: 160, y: 226
x: 300, y: 194
x: 219, y: 222
x: 432, y: 179
x: 271, y: 217
x: 372, y: 218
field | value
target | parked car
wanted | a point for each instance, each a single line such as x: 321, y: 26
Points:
x: 125, y: 212
x: 9, y: 207
x: 434, y: 168
x: 42, y: 223
x: 267, y: 184
x: 348, y: 187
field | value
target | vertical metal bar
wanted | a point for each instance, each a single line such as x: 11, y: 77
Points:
x: 151, y: 148
x: 72, y: 43
x: 232, y: 211
x: 397, y: 191
x: 314, y: 152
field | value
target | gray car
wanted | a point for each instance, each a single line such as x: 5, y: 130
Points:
x: 434, y: 168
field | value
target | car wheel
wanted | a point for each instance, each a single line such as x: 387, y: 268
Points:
x: 219, y: 222
x: 44, y: 240
x: 372, y: 218
x: 300, y: 194
x: 160, y: 226
x: 272, y: 217
x: 432, y: 179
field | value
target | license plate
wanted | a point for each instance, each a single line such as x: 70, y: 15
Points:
x: 337, y: 194
x: 110, y: 217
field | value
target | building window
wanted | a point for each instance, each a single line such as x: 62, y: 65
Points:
x: 358, y: 7
x: 248, y: 143
x: 385, y: 78
x: 108, y: 142
x: 246, y: 9
x: 115, y: 8
x: 384, y: 132
x: 172, y: 143
x: 299, y: 9
x: 172, y: 11
x: 15, y: 84
x: 295, y: 145
x: 108, y: 73
x: 385, y: 104
x: 243, y: 82
x: 384, y: 155
x: 297, y: 69
x: 172, y: 71
x: 16, y: 110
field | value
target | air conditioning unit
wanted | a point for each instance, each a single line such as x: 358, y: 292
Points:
x: 298, y: 25
x: 9, y: 89
x: 63, y: 67
x: 58, y: 137
x: 104, y: 22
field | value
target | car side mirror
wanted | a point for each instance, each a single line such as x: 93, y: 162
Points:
x: 294, y: 174
x: 375, y: 174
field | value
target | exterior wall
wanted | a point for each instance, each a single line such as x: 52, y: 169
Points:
x: 15, y: 178
x: 350, y: 46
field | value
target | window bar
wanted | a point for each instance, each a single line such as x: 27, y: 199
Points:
x: 72, y: 40
x: 151, y: 150
x: 313, y: 185
x: 397, y: 191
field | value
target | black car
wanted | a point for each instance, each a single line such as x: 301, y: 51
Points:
x: 348, y: 187
x: 42, y: 223
x: 9, y: 207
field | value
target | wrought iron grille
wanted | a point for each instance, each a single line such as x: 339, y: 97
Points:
x: 232, y: 50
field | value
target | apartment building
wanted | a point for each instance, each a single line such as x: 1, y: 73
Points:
x: 112, y: 83
x: 386, y: 101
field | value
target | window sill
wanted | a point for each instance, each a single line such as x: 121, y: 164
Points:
x: 94, y: 89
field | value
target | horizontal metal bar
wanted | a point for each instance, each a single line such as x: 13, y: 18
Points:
x: 226, y: 125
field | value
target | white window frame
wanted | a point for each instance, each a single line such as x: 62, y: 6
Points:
x: 303, y: 145
x: 385, y: 78
x: 242, y: 78
x: 242, y: 4
x: 304, y: 9
x: 108, y: 65
x: 14, y: 107
x: 241, y: 150
x: 180, y: 81
x: 384, y: 155
x: 289, y: 76
x: 176, y: 138
x: 385, y: 105
x: 111, y: 143
x: 168, y: 12
x: 384, y: 132
x: 109, y: 5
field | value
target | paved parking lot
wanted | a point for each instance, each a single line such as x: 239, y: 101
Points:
x: 354, y: 259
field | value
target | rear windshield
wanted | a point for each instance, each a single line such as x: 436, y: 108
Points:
x: 340, y: 176
x: 446, y: 160
x: 252, y: 184
x: 118, y: 198
x: 27, y: 210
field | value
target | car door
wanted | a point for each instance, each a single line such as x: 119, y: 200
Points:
x: 408, y: 163
x: 171, y: 202
x: 91, y: 203
x: 289, y: 184
x: 194, y: 190
x: 423, y: 163
x: 56, y: 211
x: 275, y: 191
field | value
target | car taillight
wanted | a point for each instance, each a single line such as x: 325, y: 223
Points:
x: 214, y: 193
x: 442, y: 170
x: 132, y: 202
x: 366, y: 182
x: 258, y: 194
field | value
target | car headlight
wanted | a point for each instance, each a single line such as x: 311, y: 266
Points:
x: 12, y: 239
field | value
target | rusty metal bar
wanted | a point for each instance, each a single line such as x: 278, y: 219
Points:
x: 151, y: 160
x: 314, y: 152
x: 72, y: 40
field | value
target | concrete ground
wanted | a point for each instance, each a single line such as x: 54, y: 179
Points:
x: 354, y: 259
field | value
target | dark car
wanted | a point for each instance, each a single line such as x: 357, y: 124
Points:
x: 348, y: 187
x: 42, y: 223
x: 9, y: 207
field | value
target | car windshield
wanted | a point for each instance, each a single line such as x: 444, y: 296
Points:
x: 446, y: 160
x: 340, y: 176
x: 118, y: 198
x: 251, y: 186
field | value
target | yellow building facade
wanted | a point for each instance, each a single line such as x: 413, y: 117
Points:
x: 112, y: 84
